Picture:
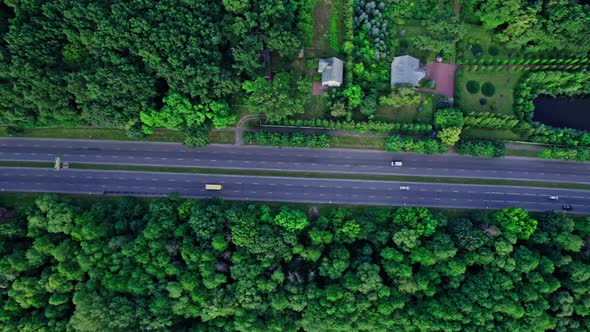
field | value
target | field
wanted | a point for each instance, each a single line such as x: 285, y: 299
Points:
x: 501, y: 102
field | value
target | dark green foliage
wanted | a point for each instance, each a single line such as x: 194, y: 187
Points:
x: 488, y: 89
x: 579, y: 154
x: 476, y: 50
x: 102, y: 63
x: 481, y: 148
x: 398, y: 143
x: 493, y: 50
x: 176, y: 265
x: 472, y: 87
x: 448, y: 117
x: 263, y: 137
x: 540, y: 133
x: 483, y: 101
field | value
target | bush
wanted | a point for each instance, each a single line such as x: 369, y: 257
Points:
x: 493, y: 50
x: 472, y: 87
x: 481, y: 148
x: 448, y: 117
x: 476, y: 50
x: 488, y: 89
x: 579, y: 154
x: 483, y: 101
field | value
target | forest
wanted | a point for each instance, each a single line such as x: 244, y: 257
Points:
x: 138, y: 64
x: 185, y: 265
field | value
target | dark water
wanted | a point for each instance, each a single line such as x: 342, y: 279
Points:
x: 563, y: 112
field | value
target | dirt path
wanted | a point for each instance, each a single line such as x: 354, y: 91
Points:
x: 239, y: 130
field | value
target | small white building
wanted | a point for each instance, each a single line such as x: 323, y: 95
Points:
x: 331, y: 69
x: 406, y: 69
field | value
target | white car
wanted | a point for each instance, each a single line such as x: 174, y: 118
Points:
x: 396, y: 163
x: 553, y: 198
x: 404, y: 187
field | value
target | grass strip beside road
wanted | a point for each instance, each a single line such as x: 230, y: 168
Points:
x: 159, y: 135
x: 292, y: 174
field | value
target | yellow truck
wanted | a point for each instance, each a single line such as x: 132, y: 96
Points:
x: 210, y: 186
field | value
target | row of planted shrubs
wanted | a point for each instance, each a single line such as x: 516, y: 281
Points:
x: 359, y: 127
x: 481, y: 148
x: 522, y: 61
x: 398, y: 143
x: 579, y: 154
x: 262, y: 137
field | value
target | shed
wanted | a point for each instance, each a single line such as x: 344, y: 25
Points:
x: 331, y: 69
x: 406, y: 69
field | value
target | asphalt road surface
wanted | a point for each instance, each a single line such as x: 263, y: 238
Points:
x: 257, y: 188
x: 293, y: 159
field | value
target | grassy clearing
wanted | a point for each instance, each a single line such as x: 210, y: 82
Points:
x: 160, y: 135
x: 477, y: 35
x: 501, y: 102
x: 357, y: 142
x: 409, y: 114
x: 503, y: 134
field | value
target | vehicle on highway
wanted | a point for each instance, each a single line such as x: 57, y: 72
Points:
x: 396, y: 163
x: 553, y: 198
x: 211, y: 186
x: 404, y: 187
x: 566, y: 207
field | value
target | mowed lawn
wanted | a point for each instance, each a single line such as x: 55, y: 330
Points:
x: 409, y: 114
x: 501, y: 102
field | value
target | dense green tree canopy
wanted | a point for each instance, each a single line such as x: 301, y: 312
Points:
x: 170, y: 264
x: 104, y: 63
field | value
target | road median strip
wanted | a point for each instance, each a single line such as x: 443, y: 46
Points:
x: 296, y: 174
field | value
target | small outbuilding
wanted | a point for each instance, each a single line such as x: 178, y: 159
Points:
x: 406, y: 69
x: 331, y: 69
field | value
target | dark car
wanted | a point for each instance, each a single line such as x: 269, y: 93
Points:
x: 566, y: 207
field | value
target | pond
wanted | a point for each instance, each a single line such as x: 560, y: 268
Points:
x: 563, y: 112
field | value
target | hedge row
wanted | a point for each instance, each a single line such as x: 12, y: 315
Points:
x: 263, y: 137
x: 398, y: 143
x: 481, y: 148
x: 579, y: 154
x: 359, y: 127
x: 504, y: 61
x: 489, y: 120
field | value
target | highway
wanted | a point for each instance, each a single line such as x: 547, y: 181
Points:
x: 292, y: 159
x: 260, y: 188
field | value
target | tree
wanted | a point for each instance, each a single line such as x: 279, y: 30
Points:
x: 444, y: 31
x: 516, y: 221
x: 338, y: 109
x: 450, y: 135
x: 282, y: 97
x: 354, y: 95
x: 401, y: 96
x: 291, y: 220
x: 448, y: 117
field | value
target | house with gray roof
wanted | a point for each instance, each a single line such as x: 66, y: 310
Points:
x: 406, y: 69
x: 331, y: 69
